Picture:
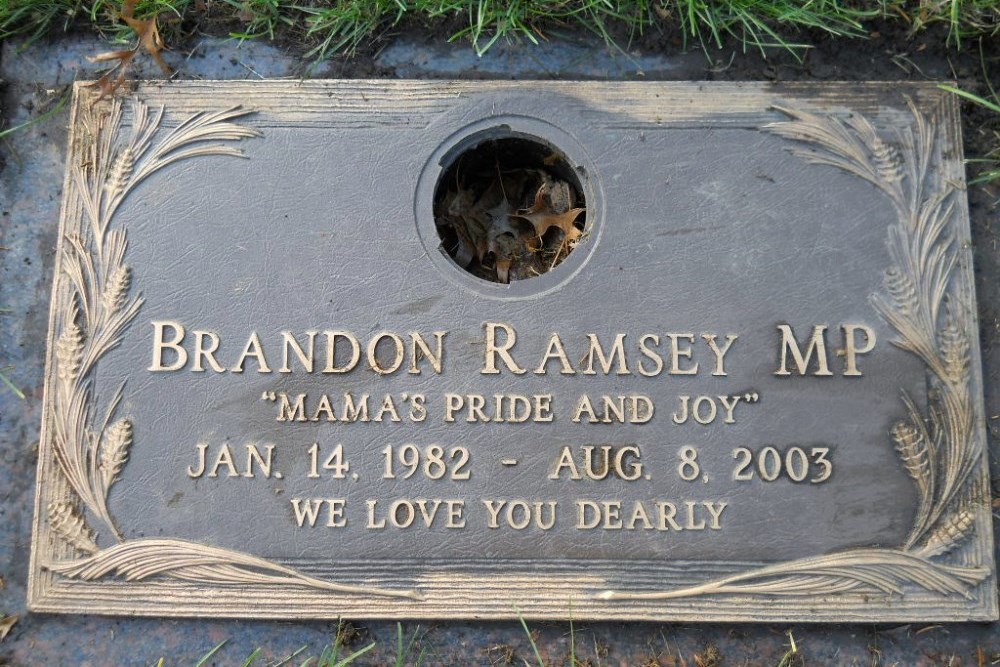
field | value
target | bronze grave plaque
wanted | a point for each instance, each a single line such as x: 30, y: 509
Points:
x: 407, y: 349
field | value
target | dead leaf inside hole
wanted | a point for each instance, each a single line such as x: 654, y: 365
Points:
x: 509, y: 209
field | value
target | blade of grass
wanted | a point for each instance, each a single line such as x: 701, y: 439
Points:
x: 402, y: 652
x: 791, y: 653
x: 10, y: 385
x: 286, y: 660
x: 531, y: 640
x: 354, y: 656
x: 972, y: 97
x: 210, y: 654
x: 251, y: 658
x: 572, y: 644
x: 993, y: 105
x: 38, y: 119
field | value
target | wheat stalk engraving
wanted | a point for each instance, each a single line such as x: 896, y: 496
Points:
x: 939, y: 449
x: 67, y: 523
x: 100, y: 306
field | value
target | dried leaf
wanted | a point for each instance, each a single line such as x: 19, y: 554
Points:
x: 501, y: 231
x: 109, y: 82
x: 543, y: 216
x: 471, y: 235
x: 503, y: 269
x: 149, y: 38
x: 111, y: 55
x: 494, y: 217
x: 6, y: 623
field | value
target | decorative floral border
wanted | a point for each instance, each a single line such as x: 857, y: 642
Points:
x: 92, y: 446
x: 939, y: 448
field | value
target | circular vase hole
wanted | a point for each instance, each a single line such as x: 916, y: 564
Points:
x: 509, y: 208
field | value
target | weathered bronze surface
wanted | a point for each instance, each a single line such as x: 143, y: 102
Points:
x: 752, y: 392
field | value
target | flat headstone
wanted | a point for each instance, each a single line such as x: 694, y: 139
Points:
x: 481, y: 350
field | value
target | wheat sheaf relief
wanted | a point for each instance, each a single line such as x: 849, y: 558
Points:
x: 940, y: 448
x: 91, y: 442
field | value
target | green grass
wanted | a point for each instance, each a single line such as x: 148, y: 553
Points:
x: 990, y: 164
x: 531, y: 640
x: 327, y: 27
x: 769, y: 23
x: 406, y: 653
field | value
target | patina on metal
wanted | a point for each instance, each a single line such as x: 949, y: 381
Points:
x: 746, y: 385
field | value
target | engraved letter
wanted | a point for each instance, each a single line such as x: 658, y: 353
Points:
x: 693, y: 523
x: 331, y: 351
x: 200, y: 351
x: 494, y: 510
x: 191, y: 471
x: 676, y: 353
x: 453, y: 403
x: 719, y: 354
x: 225, y: 458
x: 617, y: 350
x: 306, y: 513
x: 652, y: 354
x: 555, y: 351
x: 287, y: 412
x: 305, y: 358
x: 252, y: 349
x: 729, y: 405
x: 492, y: 349
x: 817, y: 344
x: 374, y: 523
x: 254, y: 458
x: 159, y: 343
x: 373, y: 357
x: 355, y: 411
x: 588, y: 515
x: 716, y: 512
x: 417, y: 341
x: 566, y: 461
x: 851, y: 349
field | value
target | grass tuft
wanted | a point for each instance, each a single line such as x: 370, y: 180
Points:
x: 767, y: 23
x: 329, y: 27
x: 404, y: 648
x: 330, y: 657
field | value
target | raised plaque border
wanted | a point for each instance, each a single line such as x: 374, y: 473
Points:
x: 944, y: 570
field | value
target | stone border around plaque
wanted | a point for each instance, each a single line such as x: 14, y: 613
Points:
x: 173, y: 202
